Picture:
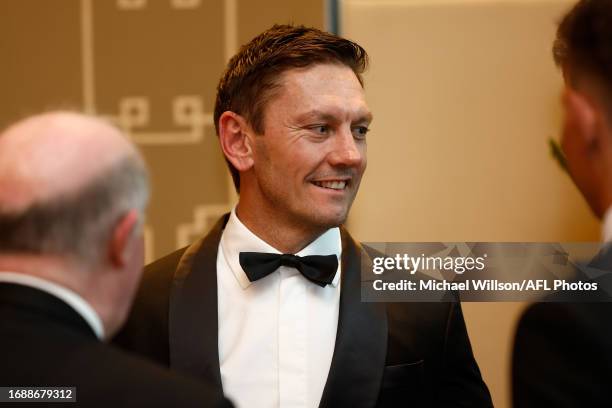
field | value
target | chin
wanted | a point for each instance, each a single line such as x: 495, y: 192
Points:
x: 330, y: 220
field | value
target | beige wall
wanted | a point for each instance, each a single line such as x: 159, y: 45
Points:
x: 465, y: 96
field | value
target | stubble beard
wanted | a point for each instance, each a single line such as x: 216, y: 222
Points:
x: 305, y: 215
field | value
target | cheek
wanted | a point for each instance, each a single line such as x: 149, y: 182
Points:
x: 364, y: 158
x: 571, y: 133
x: 301, y: 161
x: 572, y: 149
x: 565, y: 145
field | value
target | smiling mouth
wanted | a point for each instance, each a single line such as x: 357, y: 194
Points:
x: 332, y: 185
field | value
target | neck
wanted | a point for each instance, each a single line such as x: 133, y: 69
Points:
x: 286, y: 237
x: 50, y: 268
x: 97, y: 296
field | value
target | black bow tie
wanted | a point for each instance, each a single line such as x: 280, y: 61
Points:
x: 319, y: 269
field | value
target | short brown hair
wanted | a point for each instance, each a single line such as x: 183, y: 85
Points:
x: 584, y: 40
x: 253, y: 72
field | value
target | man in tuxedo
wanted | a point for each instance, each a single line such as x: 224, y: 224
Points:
x: 563, y: 351
x: 267, y: 305
x: 73, y: 191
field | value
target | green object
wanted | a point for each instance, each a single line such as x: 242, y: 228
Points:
x: 557, y: 154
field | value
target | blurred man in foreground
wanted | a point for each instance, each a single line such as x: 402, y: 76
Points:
x: 563, y: 351
x: 73, y: 191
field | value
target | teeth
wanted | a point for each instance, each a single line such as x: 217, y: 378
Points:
x: 334, y: 185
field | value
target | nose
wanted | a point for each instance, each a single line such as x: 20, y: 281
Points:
x: 347, y: 151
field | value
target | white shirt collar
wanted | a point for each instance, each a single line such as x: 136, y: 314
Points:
x: 238, y: 238
x: 68, y: 296
x: 606, y: 232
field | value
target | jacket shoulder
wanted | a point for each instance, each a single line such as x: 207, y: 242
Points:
x: 164, y: 267
x: 154, y: 292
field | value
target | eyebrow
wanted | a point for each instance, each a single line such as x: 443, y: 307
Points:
x: 365, y: 116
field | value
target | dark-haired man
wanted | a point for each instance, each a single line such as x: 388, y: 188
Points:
x: 268, y: 305
x: 563, y: 351
x: 73, y: 191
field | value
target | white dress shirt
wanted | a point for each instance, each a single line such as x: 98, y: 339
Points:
x: 277, y: 334
x: 68, y: 296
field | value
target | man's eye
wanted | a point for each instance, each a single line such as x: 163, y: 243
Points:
x: 320, y: 129
x: 360, y: 132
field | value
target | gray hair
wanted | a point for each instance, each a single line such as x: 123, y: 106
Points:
x: 78, y: 224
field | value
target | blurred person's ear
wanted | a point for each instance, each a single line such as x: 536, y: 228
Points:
x: 580, y: 118
x: 234, y: 137
x: 121, y: 239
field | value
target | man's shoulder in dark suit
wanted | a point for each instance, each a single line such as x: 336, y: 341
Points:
x: 44, y: 342
x: 562, y: 355
x: 563, y: 351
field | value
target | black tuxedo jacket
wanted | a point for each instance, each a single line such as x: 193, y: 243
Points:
x: 44, y: 342
x: 386, y: 355
x: 563, y: 351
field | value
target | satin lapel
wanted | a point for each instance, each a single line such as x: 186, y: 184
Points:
x: 193, y: 319
x: 358, y: 363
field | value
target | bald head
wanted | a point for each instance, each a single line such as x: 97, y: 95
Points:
x: 55, y: 154
x: 65, y: 181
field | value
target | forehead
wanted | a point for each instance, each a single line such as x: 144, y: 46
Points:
x: 332, y: 87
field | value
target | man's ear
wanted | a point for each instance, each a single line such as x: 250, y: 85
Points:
x: 580, y: 117
x: 234, y: 137
x: 121, y: 238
